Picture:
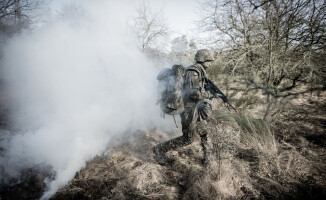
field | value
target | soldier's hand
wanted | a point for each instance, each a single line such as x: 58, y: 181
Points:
x: 216, y: 95
x: 209, y: 95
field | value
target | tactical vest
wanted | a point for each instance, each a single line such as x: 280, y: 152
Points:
x: 194, y: 79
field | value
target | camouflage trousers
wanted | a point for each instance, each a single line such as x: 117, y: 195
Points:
x: 193, y: 120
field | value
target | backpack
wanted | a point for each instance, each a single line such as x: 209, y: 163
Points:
x: 170, y: 89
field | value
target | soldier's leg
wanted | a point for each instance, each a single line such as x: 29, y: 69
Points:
x: 174, y: 143
x: 188, y: 131
x: 206, y: 144
x: 204, y: 111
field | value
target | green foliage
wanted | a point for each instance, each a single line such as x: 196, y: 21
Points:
x: 254, y: 133
x: 273, y: 42
x: 225, y: 82
x: 249, y: 101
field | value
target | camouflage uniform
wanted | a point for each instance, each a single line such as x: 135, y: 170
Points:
x: 198, y: 108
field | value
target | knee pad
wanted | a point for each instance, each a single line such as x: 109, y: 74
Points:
x: 202, y: 128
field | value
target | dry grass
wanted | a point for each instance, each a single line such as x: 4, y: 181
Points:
x: 248, y: 163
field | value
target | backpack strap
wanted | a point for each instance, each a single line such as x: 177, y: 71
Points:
x: 200, y: 70
x: 194, y: 68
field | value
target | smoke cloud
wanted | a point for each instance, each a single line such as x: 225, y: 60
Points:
x: 73, y: 84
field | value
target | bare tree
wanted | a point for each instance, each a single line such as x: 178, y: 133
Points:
x: 279, y: 42
x: 151, y: 27
x: 182, y: 50
x: 16, y: 14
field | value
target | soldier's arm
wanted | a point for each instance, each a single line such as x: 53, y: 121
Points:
x: 193, y: 85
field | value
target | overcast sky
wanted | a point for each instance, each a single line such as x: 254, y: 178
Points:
x: 180, y: 14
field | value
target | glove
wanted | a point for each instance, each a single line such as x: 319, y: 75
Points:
x: 216, y: 95
x: 208, y: 95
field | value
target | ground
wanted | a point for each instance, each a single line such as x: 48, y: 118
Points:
x: 252, y: 160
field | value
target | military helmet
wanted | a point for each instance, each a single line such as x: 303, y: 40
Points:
x: 203, y: 55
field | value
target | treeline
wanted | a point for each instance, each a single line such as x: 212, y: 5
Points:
x: 274, y: 46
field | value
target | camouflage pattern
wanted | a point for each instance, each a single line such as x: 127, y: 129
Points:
x: 203, y: 55
x: 198, y: 108
x: 193, y: 122
x: 194, y: 83
x: 170, y: 87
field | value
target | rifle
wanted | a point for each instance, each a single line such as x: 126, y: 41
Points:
x: 213, y: 88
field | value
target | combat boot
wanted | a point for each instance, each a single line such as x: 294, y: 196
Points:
x: 205, y: 162
x: 207, y: 158
x: 160, y: 157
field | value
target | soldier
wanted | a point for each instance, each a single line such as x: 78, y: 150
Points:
x: 198, y: 108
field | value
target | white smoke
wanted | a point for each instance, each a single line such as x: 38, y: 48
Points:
x: 73, y: 84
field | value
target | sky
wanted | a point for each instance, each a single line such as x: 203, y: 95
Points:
x: 180, y: 14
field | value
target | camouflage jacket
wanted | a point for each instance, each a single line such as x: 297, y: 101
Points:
x: 194, y: 85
